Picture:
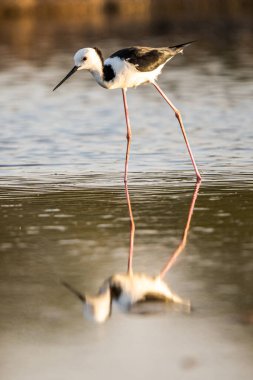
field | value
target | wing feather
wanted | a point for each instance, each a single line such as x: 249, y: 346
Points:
x: 144, y: 58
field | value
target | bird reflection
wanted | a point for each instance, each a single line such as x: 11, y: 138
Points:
x: 132, y: 291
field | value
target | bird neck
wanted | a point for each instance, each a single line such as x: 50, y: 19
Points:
x: 97, y: 66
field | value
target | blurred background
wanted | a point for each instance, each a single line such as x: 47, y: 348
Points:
x: 34, y: 27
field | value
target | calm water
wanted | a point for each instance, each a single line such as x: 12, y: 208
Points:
x: 64, y: 217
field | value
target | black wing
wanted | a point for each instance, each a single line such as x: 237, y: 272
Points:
x: 146, y: 58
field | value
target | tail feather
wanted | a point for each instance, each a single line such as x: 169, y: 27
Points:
x: 74, y: 291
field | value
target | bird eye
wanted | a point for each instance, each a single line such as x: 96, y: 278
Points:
x: 84, y: 58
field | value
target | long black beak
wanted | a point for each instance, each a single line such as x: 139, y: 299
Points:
x: 72, y: 71
x: 74, y: 291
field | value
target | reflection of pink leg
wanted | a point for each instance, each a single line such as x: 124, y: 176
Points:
x: 182, y: 243
x: 178, y: 116
x: 132, y: 230
x: 129, y: 133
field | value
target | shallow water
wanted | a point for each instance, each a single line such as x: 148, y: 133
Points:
x: 64, y: 217
x: 79, y: 230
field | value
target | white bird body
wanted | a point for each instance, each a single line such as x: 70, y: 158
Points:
x: 127, y: 75
x: 139, y: 287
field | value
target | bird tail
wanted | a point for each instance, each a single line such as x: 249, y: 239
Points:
x: 179, y: 48
x: 74, y: 291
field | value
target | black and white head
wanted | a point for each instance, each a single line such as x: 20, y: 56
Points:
x: 85, y: 59
x: 98, y: 308
x: 95, y: 308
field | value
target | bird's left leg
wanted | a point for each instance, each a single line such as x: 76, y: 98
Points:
x: 178, y: 116
x: 129, y: 133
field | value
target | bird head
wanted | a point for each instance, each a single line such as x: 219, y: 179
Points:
x: 98, y: 308
x: 95, y: 308
x: 85, y: 59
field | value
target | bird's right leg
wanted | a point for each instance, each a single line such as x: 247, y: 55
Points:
x: 179, y: 118
x: 182, y: 243
x: 129, y: 133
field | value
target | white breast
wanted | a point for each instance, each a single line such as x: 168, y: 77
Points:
x: 137, y: 286
x: 127, y: 74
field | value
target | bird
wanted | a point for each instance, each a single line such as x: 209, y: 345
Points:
x: 127, y: 68
x: 128, y: 292
x: 131, y: 290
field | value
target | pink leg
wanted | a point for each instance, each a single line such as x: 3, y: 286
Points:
x: 132, y: 230
x: 178, y: 116
x: 129, y: 133
x: 182, y: 243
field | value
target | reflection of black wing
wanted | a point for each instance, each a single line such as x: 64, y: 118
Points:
x: 152, y: 304
x: 148, y: 308
x: 155, y: 297
x: 144, y: 58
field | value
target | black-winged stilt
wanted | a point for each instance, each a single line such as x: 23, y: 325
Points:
x: 130, y: 67
x: 129, y: 289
